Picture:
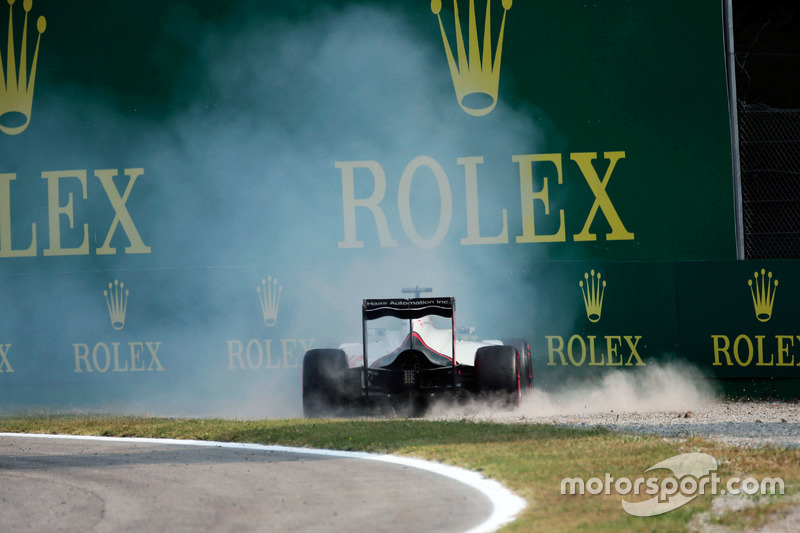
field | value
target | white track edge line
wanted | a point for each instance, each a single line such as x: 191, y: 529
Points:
x: 505, y: 504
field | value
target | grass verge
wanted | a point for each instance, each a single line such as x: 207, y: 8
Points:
x: 529, y: 459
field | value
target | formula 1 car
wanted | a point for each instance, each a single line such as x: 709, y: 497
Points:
x: 411, y: 365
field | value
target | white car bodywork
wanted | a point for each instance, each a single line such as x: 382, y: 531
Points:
x: 440, y: 340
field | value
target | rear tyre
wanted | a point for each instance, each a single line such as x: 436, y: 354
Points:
x: 526, y: 362
x: 497, y: 373
x: 326, y: 379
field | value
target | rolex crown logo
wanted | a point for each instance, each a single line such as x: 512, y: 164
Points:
x: 269, y: 293
x: 763, y: 293
x: 16, y: 88
x: 476, y: 75
x: 593, y: 292
x: 117, y: 302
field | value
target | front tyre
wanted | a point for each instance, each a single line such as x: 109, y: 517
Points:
x: 326, y: 378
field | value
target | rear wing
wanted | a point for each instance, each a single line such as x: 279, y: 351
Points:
x: 406, y: 309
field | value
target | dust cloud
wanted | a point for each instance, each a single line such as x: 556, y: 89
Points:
x: 665, y: 387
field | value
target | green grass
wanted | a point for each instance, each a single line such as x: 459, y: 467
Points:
x: 529, y: 459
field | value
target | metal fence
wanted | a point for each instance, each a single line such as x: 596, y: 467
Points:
x: 769, y: 151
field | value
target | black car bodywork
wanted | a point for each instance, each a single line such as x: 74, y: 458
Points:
x: 413, y: 372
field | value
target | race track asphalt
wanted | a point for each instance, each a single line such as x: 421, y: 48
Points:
x: 55, y: 484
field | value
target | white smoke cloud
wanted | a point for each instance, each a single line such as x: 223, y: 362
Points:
x: 245, y: 178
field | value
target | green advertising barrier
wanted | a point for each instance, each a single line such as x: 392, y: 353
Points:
x: 738, y: 321
x: 733, y: 321
x: 607, y: 316
x: 175, y: 162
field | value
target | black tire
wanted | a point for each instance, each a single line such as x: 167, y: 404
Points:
x: 526, y: 362
x: 497, y: 373
x: 326, y: 380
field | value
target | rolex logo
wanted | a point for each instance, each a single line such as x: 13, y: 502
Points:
x: 117, y: 302
x: 476, y: 75
x: 16, y: 87
x: 763, y: 293
x: 593, y: 292
x: 269, y: 293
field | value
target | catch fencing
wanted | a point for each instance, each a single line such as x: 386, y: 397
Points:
x: 769, y: 145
